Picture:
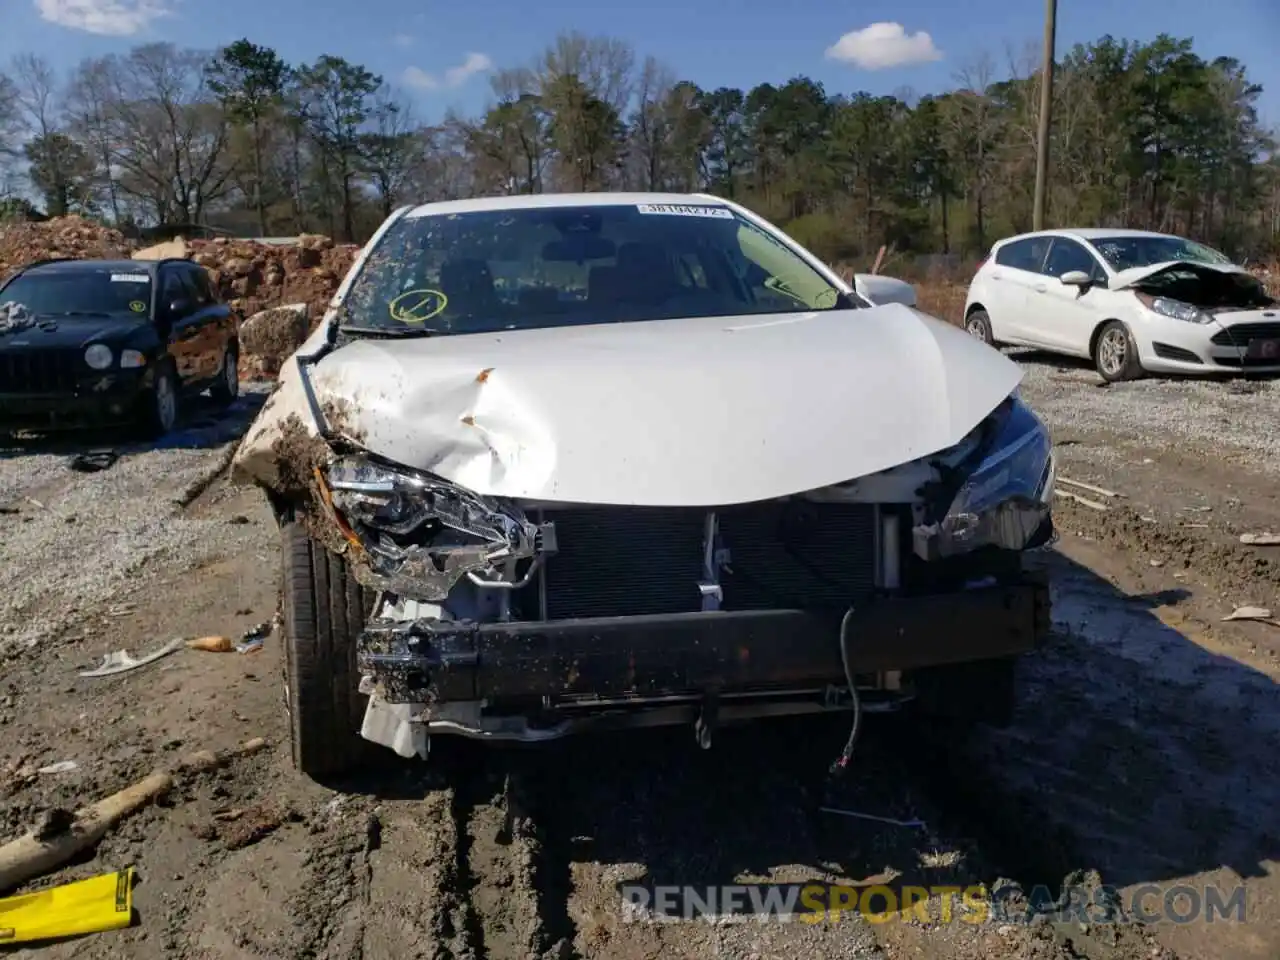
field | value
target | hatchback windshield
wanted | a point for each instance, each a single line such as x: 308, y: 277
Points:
x: 1125, y: 252
x: 527, y: 268
x: 80, y: 291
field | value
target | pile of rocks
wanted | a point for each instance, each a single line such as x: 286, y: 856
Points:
x: 252, y: 276
x: 22, y: 243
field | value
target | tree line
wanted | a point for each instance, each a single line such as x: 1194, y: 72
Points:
x: 1146, y: 135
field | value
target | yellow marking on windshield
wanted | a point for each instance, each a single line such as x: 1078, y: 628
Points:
x: 137, y: 306
x: 417, y: 306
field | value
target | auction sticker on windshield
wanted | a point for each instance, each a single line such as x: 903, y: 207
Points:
x: 685, y: 210
x: 129, y: 278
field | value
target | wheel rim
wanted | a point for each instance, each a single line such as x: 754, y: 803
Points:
x: 166, y: 402
x: 230, y: 375
x: 975, y: 329
x: 1112, y: 350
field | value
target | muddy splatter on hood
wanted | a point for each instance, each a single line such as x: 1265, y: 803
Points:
x: 682, y: 412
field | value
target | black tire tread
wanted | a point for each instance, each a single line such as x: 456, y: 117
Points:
x: 218, y: 392
x: 148, y: 424
x: 324, y: 611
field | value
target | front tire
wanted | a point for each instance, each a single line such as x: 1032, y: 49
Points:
x: 324, y: 612
x: 1115, y: 354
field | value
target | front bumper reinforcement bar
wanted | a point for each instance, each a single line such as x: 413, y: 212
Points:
x: 652, y: 656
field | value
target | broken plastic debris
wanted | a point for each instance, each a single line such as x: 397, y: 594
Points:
x: 93, y: 461
x: 62, y: 766
x: 121, y: 662
x: 1252, y: 613
x: 253, y: 638
x: 1261, y: 539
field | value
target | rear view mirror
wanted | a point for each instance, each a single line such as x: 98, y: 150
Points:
x: 880, y: 290
x: 576, y: 249
x: 1076, y: 278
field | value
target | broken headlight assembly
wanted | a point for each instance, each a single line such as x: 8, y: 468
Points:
x: 422, y: 535
x: 1004, y: 501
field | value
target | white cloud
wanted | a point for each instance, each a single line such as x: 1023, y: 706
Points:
x: 453, y: 77
x: 403, y: 39
x: 884, y: 45
x: 111, y: 18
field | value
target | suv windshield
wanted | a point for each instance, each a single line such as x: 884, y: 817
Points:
x: 1125, y: 252
x: 526, y: 268
x: 87, y: 290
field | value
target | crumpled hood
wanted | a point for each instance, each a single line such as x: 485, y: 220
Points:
x: 1125, y: 279
x: 689, y: 412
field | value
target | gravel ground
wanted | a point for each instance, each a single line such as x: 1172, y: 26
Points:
x: 1234, y: 420
x: 74, y: 538
x: 1141, y: 752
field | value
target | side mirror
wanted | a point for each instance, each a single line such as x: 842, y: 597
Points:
x: 178, y: 307
x: 880, y: 290
x: 1076, y: 278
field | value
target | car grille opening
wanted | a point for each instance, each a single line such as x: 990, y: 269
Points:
x: 39, y: 371
x: 1240, y: 334
x: 636, y: 561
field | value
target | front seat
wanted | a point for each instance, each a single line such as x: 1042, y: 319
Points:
x: 646, y: 273
x: 468, y: 283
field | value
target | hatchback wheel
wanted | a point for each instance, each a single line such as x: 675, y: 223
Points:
x: 978, y: 324
x: 1116, y: 354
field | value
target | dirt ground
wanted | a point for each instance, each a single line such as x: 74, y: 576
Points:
x: 1143, y: 751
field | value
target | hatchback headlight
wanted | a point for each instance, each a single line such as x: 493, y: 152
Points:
x: 1175, y: 309
x: 99, y: 356
x: 1005, y: 501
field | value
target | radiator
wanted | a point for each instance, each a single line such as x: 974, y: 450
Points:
x: 633, y: 561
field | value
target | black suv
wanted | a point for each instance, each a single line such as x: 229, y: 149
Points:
x: 112, y: 342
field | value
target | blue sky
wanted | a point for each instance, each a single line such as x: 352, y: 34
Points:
x: 440, y: 51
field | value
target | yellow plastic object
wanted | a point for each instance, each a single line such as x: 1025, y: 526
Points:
x: 87, y: 906
x: 212, y: 644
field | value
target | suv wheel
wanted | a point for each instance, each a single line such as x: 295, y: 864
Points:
x: 227, y: 387
x: 160, y: 405
x: 324, y: 611
x: 1116, y: 354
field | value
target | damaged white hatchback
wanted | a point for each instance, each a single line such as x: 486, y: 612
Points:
x: 564, y: 462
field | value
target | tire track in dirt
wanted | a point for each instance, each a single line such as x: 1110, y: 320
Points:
x: 512, y: 873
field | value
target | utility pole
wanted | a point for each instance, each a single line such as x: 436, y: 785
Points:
x: 1046, y: 108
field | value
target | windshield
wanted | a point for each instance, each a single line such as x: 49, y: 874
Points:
x: 522, y: 269
x: 80, y: 291
x: 1125, y: 252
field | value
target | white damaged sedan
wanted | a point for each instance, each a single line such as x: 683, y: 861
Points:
x: 562, y: 462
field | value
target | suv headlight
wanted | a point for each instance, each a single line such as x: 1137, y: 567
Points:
x: 1005, y: 500
x: 99, y: 356
x: 423, y: 534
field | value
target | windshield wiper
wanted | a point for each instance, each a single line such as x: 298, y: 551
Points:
x: 388, y: 332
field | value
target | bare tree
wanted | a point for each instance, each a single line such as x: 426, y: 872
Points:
x: 392, y: 147
x: 171, y: 135
x: 89, y: 98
